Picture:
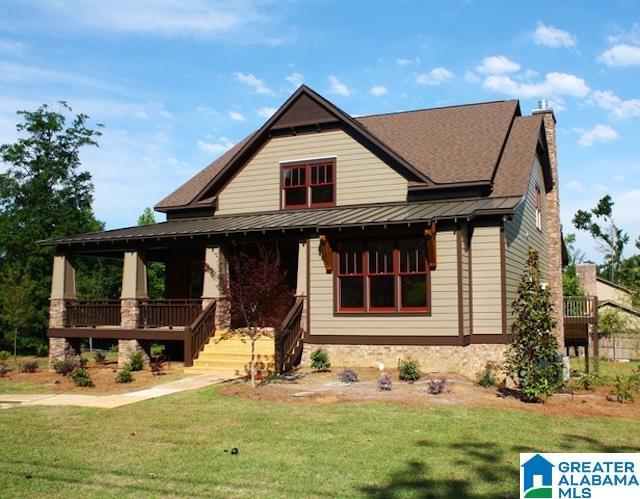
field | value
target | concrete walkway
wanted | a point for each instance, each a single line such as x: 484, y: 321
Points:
x: 111, y: 401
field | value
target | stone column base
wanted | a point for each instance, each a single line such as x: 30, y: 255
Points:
x: 465, y: 360
x: 126, y: 348
x: 63, y: 348
x: 223, y: 314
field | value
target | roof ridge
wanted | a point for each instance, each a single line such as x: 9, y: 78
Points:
x: 435, y: 108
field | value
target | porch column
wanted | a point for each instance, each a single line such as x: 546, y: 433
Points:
x: 134, y: 288
x: 63, y: 287
x: 301, y: 278
x: 215, y: 284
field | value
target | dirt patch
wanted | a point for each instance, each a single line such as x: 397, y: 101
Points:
x: 306, y: 387
x: 102, y: 375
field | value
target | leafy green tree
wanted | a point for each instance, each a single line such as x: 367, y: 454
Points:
x: 155, y: 270
x: 570, y: 282
x: 610, y: 238
x: 18, y: 305
x: 611, y: 323
x: 532, y: 358
x: 43, y: 194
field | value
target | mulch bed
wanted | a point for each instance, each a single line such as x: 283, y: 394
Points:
x: 307, y: 387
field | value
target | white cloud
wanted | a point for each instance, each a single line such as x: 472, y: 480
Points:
x: 617, y: 107
x: 378, y: 90
x: 575, y: 185
x: 222, y: 145
x: 619, y: 178
x: 252, y: 81
x: 599, y: 133
x: 235, y: 116
x: 207, y: 110
x: 554, y: 84
x: 551, y: 36
x: 337, y: 87
x: 497, y: 64
x: 295, y: 79
x: 435, y: 77
x: 408, y: 62
x: 599, y: 188
x: 621, y: 55
x: 266, y: 112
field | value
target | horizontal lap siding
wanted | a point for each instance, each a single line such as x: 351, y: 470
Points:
x: 520, y: 234
x: 361, y: 177
x: 444, y: 295
x: 486, y: 280
x: 465, y: 282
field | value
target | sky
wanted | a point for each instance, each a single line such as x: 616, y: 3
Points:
x: 177, y: 82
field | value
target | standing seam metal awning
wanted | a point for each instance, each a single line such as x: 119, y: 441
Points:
x: 315, y: 218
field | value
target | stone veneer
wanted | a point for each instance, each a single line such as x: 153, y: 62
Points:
x: 465, y: 360
x: 129, y: 320
x: 60, y: 348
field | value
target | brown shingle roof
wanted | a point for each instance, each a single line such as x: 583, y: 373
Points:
x: 456, y: 144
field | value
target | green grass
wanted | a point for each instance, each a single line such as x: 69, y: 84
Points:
x: 368, y: 449
x: 608, y: 368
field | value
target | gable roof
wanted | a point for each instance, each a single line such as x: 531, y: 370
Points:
x: 619, y: 287
x: 474, y: 144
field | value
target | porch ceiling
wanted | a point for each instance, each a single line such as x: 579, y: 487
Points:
x: 312, y: 219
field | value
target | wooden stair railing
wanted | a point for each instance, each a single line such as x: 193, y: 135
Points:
x: 198, y: 333
x: 289, y: 338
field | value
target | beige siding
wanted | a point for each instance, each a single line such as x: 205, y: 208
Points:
x: 465, y: 249
x: 521, y: 233
x: 486, y: 280
x: 360, y: 176
x: 605, y: 291
x: 444, y: 296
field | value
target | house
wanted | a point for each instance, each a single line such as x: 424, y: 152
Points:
x: 406, y: 233
x: 539, y: 467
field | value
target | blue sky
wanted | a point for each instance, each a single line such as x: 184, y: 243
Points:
x: 178, y: 82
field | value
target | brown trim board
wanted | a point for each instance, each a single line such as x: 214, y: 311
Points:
x: 329, y: 339
x: 459, y: 282
x: 503, y: 280
x: 117, y: 334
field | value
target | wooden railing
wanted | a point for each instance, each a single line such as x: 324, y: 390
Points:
x: 92, y: 313
x: 289, y: 338
x: 580, y: 309
x: 168, y: 313
x: 199, y: 332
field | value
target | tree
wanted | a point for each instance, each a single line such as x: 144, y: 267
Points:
x: 18, y: 305
x: 258, y: 293
x: 43, y: 194
x: 532, y: 358
x: 570, y: 282
x: 610, y: 238
x: 155, y: 270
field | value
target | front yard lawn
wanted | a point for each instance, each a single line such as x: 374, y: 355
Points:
x: 180, y: 446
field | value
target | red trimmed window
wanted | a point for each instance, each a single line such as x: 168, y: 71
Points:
x: 382, y: 276
x: 538, y: 208
x: 308, y: 185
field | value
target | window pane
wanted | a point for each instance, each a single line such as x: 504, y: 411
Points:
x: 380, y: 257
x: 351, y: 292
x: 288, y: 174
x: 302, y: 173
x: 412, y: 255
x: 414, y: 291
x: 381, y: 291
x: 322, y: 194
x: 295, y: 196
x: 351, y: 258
x: 329, y: 172
x: 314, y: 174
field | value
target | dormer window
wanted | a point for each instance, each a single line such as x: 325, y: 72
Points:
x: 308, y: 184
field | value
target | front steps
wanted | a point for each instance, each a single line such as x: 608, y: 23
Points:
x: 229, y: 355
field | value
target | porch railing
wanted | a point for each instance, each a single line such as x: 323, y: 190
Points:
x: 580, y: 309
x: 168, y: 313
x: 289, y: 338
x: 92, y: 313
x: 199, y: 332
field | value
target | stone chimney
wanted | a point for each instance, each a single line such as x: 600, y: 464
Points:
x: 586, y: 273
x: 554, y: 235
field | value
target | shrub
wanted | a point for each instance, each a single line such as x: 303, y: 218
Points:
x: 436, y: 386
x: 409, y: 370
x: 320, y: 360
x: 384, y: 382
x: 532, y: 359
x: 157, y: 364
x: 113, y: 348
x: 4, y: 368
x: 65, y: 366
x: 124, y: 376
x: 136, y: 362
x: 100, y: 357
x: 157, y: 349
x: 348, y: 376
x: 42, y: 349
x: 587, y: 382
x: 28, y: 367
x: 486, y: 377
x: 80, y: 377
x: 4, y: 355
x: 624, y: 389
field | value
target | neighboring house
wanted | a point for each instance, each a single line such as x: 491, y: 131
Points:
x: 406, y: 233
